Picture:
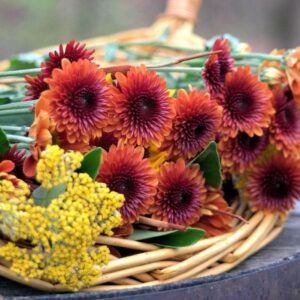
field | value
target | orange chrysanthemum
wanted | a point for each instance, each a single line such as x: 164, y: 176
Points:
x: 239, y: 153
x: 196, y: 123
x: 285, y: 126
x: 125, y: 171
x: 77, y: 100
x: 181, y: 193
x: 213, y: 221
x: 293, y: 73
x: 6, y: 166
x: 141, y: 109
x: 246, y: 103
x: 274, y: 184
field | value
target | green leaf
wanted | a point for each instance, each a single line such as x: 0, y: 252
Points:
x: 210, y: 165
x: 165, y: 34
x: 4, y: 143
x: 43, y: 196
x: 24, y: 119
x: 168, y: 239
x: 91, y: 163
x: 25, y: 61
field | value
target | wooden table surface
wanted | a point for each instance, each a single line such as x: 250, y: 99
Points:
x: 272, y: 273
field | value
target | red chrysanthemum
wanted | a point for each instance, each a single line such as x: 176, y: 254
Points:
x: 217, y: 66
x: 77, y: 100
x: 285, y: 125
x: 141, y: 109
x: 125, y: 171
x: 246, y: 103
x: 73, y: 52
x: 180, y: 194
x: 274, y: 184
x: 36, y: 85
x: 225, y: 60
x: 241, y: 152
x: 105, y: 141
x: 196, y: 123
x: 211, y: 75
x: 216, y: 218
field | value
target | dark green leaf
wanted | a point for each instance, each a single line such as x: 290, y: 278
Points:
x: 91, y: 163
x: 25, y: 61
x: 4, y: 143
x: 210, y: 165
x: 168, y: 239
x: 43, y: 197
x: 110, y: 52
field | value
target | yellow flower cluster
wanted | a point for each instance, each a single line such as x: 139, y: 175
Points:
x: 62, y: 234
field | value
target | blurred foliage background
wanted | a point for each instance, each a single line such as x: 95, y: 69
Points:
x: 30, y: 24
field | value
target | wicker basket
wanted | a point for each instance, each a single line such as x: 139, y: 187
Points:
x: 153, y: 265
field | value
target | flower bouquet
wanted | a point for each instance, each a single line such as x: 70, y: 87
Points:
x: 147, y: 172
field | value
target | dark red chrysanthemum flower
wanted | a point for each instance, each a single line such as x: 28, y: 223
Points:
x: 73, y: 52
x: 285, y: 125
x: 36, y: 85
x: 211, y: 75
x: 274, y: 184
x: 241, y: 152
x: 105, y: 141
x: 246, y: 103
x: 196, y: 123
x: 77, y: 100
x: 225, y: 60
x: 217, y: 66
x: 125, y: 171
x: 17, y: 157
x: 141, y: 109
x: 180, y: 194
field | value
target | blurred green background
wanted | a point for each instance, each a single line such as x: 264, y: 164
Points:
x: 30, y: 24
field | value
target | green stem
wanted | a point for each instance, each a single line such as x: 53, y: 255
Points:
x: 18, y: 138
x: 260, y: 56
x: 25, y: 104
x: 12, y: 112
x: 177, y: 70
x: 20, y: 72
x: 14, y: 128
x: 249, y: 63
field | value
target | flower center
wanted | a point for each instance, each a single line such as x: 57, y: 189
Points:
x: 124, y: 185
x: 199, y: 130
x: 241, y: 102
x: 144, y: 108
x: 85, y: 98
x: 286, y: 118
x: 248, y: 143
x: 275, y: 185
x: 180, y: 198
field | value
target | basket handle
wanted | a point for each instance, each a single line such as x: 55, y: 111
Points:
x: 184, y: 9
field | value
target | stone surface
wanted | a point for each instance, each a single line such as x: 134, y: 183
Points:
x: 273, y: 273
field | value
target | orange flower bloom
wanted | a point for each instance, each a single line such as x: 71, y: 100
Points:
x: 285, y: 126
x: 141, y: 109
x: 6, y: 166
x: 77, y: 100
x: 211, y: 221
x: 196, y: 123
x: 273, y: 64
x: 293, y: 73
x: 246, y: 102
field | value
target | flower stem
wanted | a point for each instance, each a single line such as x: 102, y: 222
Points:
x: 178, y: 70
x: 25, y: 104
x: 20, y: 72
x: 11, y: 112
x: 14, y: 128
x: 260, y: 56
x: 18, y: 138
